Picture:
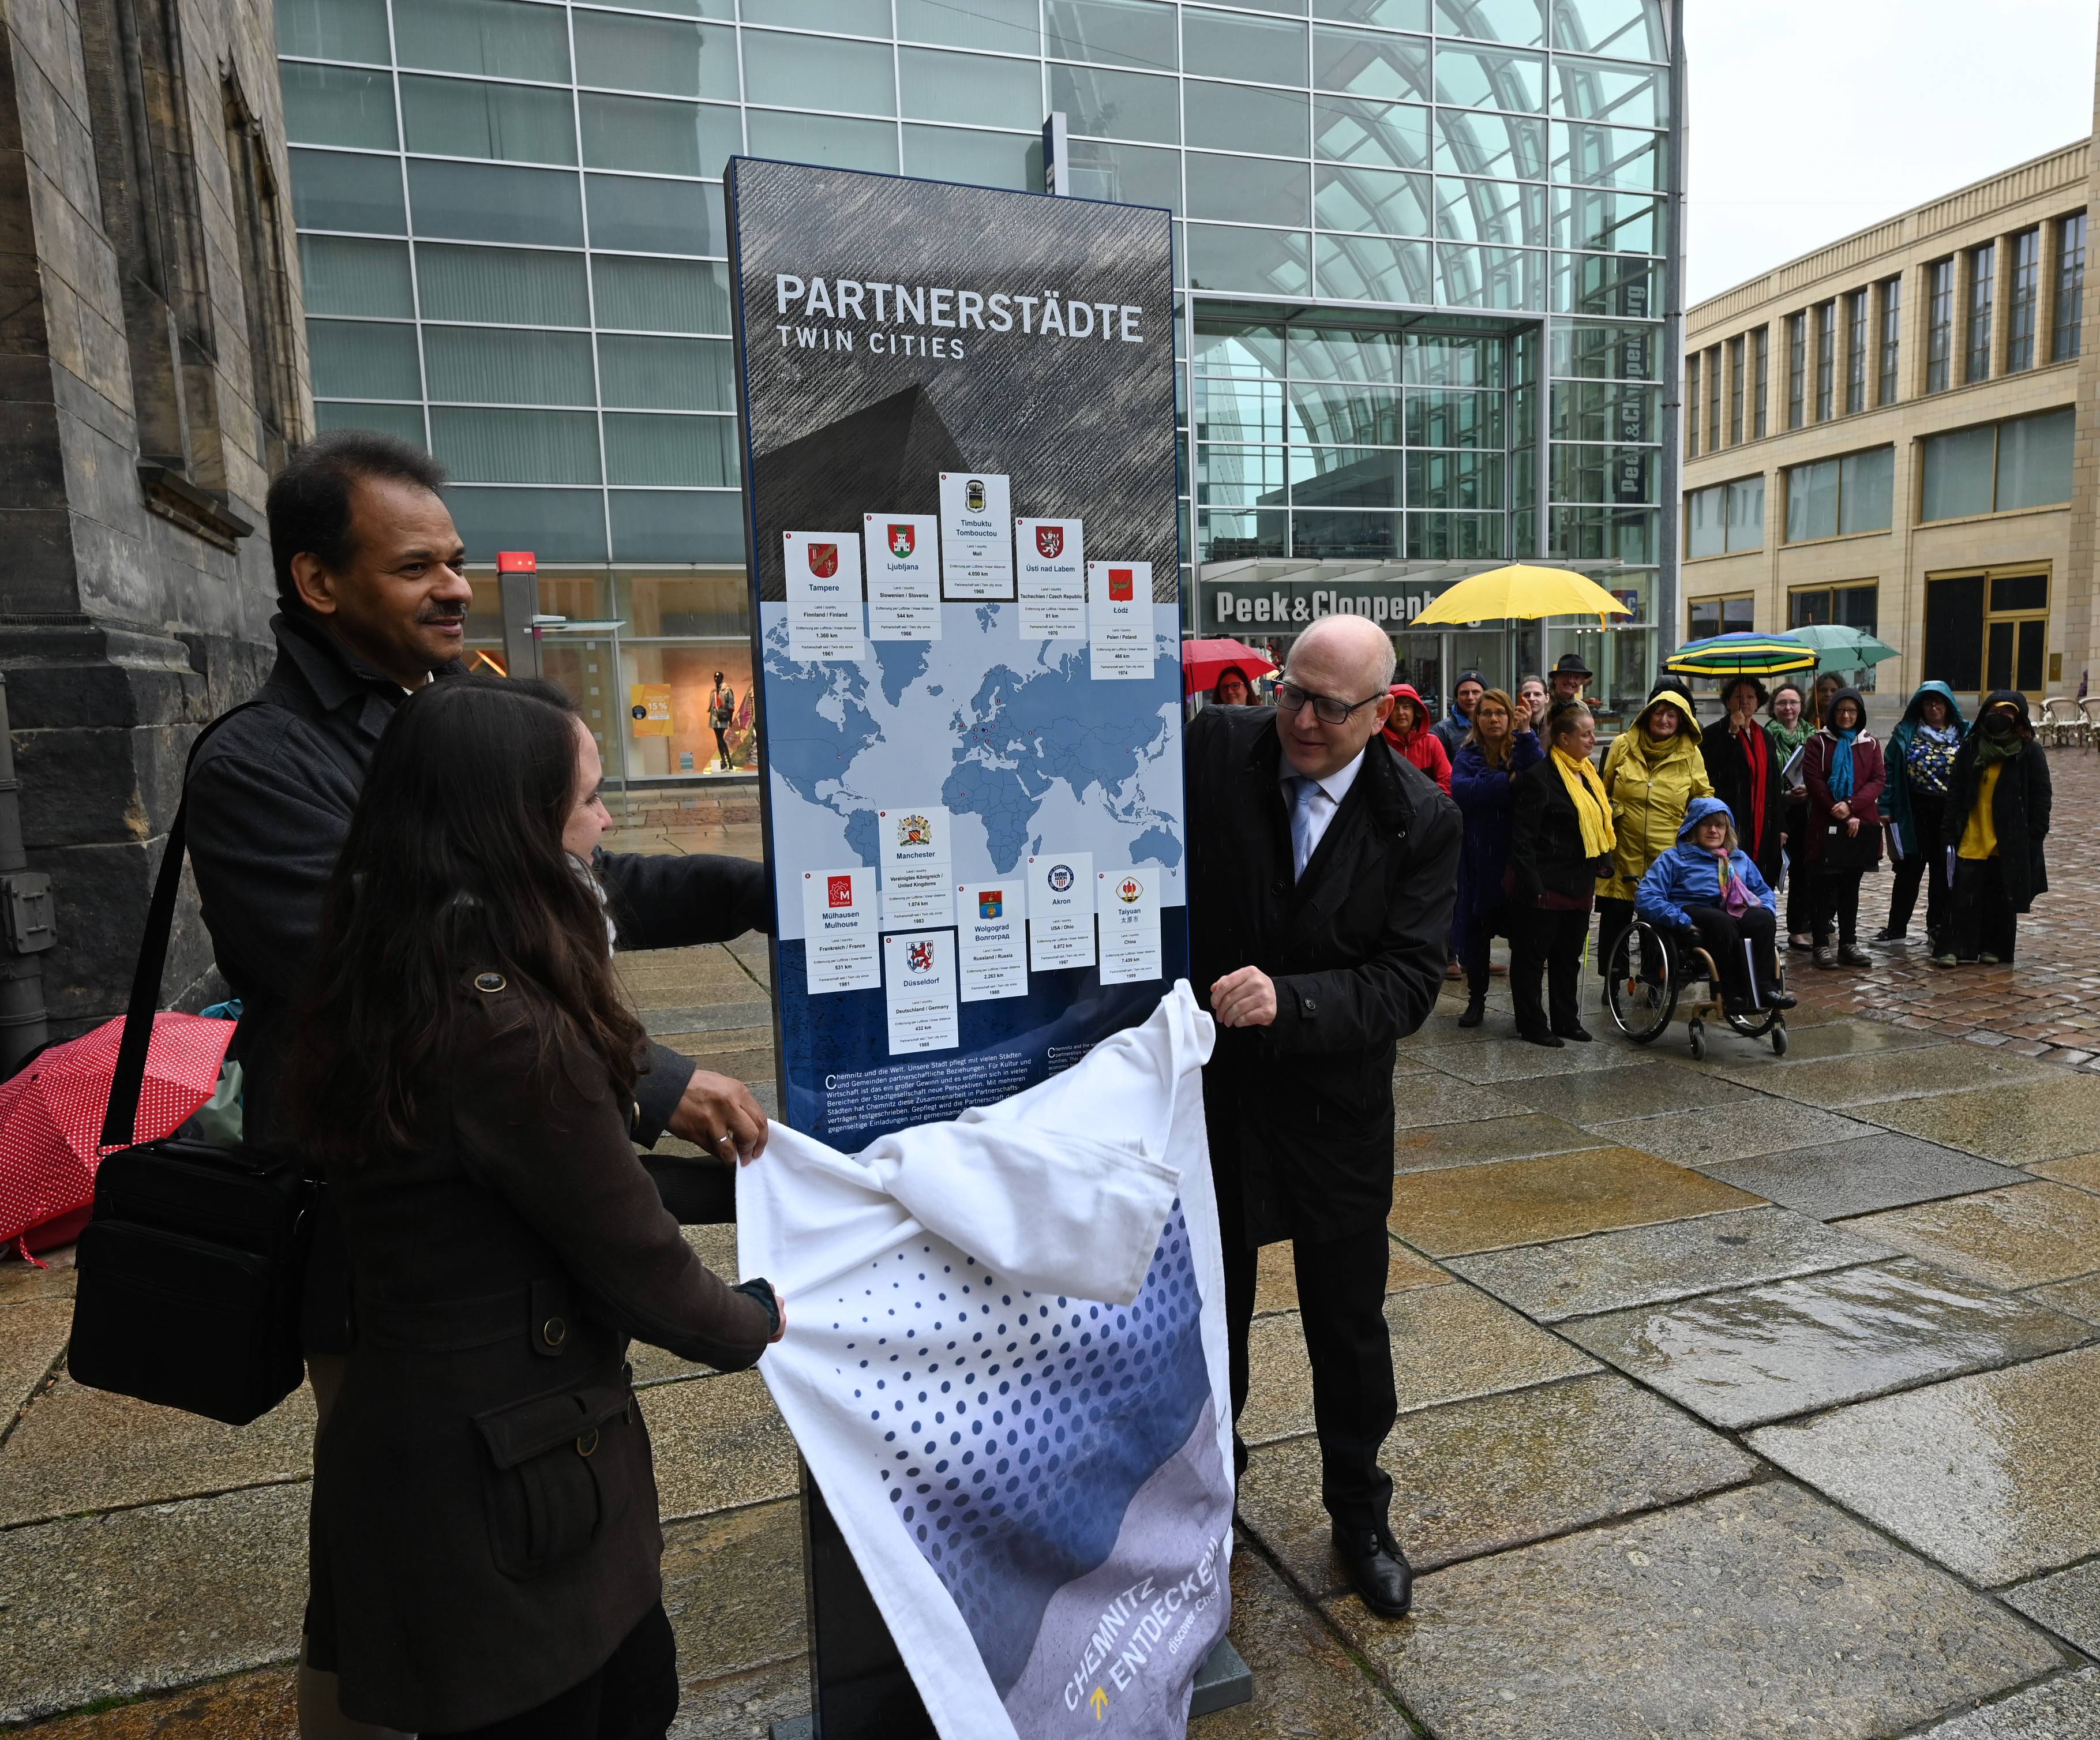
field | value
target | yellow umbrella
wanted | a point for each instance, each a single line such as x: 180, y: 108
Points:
x: 1522, y: 589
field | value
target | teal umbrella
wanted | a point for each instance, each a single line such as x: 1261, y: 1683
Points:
x: 1840, y: 648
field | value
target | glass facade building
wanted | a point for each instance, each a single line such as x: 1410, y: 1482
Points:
x: 1423, y: 246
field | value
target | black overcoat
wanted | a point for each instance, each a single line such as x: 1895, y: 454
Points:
x: 2019, y: 807
x: 1300, y: 1112
x: 484, y: 1525
x: 1729, y: 770
x: 1546, y: 847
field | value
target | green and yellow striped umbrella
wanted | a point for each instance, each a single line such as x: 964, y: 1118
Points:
x: 1740, y: 655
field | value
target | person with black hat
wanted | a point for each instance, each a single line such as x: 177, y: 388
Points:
x: 1570, y: 675
x: 1451, y: 729
x: 1998, y: 804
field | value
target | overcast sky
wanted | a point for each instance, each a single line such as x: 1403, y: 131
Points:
x: 1813, y: 118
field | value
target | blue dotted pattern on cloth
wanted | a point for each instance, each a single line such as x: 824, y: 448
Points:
x: 1016, y: 1428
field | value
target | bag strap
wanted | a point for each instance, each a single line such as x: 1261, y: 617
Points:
x: 121, y: 1120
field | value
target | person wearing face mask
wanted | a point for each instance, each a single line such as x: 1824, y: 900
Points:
x: 1843, y: 768
x: 1706, y: 884
x: 1652, y: 771
x: 1921, y: 760
x: 1997, y: 816
x: 1790, y: 728
x: 1744, y: 765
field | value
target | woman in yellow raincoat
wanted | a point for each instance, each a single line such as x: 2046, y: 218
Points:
x: 1652, y: 771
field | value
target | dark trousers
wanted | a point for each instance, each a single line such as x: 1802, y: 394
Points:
x: 633, y: 1697
x: 1492, y: 922
x: 1924, y: 861
x: 1982, y: 921
x: 1800, y: 900
x: 1741, y: 945
x: 1547, y: 944
x: 1615, y: 918
x: 1341, y: 1303
x: 1836, y: 896
x: 721, y: 746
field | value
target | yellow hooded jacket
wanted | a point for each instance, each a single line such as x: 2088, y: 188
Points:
x: 1649, y: 784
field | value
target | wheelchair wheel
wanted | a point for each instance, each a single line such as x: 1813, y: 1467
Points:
x: 1641, y: 983
x: 1698, y: 1032
x: 1779, y: 1039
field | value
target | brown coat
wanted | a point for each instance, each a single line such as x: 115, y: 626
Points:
x: 484, y: 1510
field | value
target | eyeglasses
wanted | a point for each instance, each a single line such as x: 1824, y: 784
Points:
x: 1326, y: 709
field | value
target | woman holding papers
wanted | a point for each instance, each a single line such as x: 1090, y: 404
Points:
x: 484, y: 1537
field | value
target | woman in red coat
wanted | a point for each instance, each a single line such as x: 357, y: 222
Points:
x: 1844, y: 772
x: 1408, y: 731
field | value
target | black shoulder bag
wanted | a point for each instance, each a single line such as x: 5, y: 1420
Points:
x: 191, y: 1268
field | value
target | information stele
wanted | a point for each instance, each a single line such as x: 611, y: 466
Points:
x: 920, y: 366
x: 922, y: 363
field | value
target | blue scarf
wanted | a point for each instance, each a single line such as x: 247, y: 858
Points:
x: 1841, y: 765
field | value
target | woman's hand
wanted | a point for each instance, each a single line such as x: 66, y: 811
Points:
x: 1852, y: 827
x: 1842, y: 811
x: 781, y: 1306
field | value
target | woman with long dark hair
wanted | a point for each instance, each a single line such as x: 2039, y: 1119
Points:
x: 484, y: 1538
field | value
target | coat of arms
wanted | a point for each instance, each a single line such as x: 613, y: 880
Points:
x: 903, y: 540
x: 991, y: 902
x: 1050, y: 542
x: 824, y: 560
x: 1123, y: 585
x: 1130, y: 890
x: 1061, y: 878
x: 914, y: 830
x: 918, y: 957
x: 973, y: 495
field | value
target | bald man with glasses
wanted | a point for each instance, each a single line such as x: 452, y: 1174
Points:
x: 1322, y: 870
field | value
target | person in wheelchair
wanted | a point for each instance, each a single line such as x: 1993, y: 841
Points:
x: 1710, y: 894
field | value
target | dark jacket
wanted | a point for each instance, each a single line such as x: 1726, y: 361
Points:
x: 270, y: 801
x: 1546, y: 841
x: 1451, y: 732
x: 1300, y: 1112
x: 1905, y: 835
x: 1868, y: 776
x: 2020, y: 804
x: 1486, y: 798
x: 484, y: 1510
x: 1728, y: 766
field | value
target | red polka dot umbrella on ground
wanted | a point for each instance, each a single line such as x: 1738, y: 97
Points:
x: 50, y: 1119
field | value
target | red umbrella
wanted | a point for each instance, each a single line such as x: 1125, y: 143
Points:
x: 51, y: 1115
x: 1203, y: 661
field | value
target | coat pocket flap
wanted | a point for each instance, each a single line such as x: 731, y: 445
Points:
x: 519, y: 1431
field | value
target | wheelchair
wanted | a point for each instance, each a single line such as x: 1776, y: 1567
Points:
x: 1653, y: 969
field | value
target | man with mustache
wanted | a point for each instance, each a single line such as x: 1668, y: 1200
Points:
x: 373, y: 604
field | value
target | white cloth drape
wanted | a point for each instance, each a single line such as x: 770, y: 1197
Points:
x: 1005, y: 1367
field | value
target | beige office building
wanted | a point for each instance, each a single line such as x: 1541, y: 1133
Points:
x: 1896, y: 432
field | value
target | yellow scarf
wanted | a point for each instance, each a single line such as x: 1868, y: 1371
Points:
x: 1592, y: 808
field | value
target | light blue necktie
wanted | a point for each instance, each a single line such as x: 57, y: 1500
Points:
x: 1301, y: 825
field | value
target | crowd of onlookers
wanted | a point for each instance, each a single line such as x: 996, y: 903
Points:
x: 1704, y: 828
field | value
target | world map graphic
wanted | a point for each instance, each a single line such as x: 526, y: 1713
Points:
x: 1026, y: 750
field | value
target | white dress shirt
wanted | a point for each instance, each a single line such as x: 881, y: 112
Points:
x: 1312, y: 804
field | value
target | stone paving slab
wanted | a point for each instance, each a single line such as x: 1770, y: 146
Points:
x: 2067, y: 1708
x: 1275, y: 1277
x: 1879, y: 1169
x: 2068, y: 1602
x: 1809, y: 1041
x: 2080, y: 1298
x: 32, y: 1334
x: 1758, y: 1614
x: 1552, y: 1196
x: 1608, y: 1096
x: 2081, y: 1171
x: 1991, y: 1474
x: 2026, y: 1235
x: 21, y: 1282
x: 1492, y: 1472
x: 744, y: 1705
x: 1708, y: 1139
x: 262, y: 1705
x: 711, y: 1017
x: 1448, y: 1342
x: 2039, y: 1120
x: 81, y: 1450
x: 1444, y: 1144
x: 1905, y: 1074
x: 733, y: 1588
x: 1649, y: 1264
x: 139, y: 1601
x: 1435, y: 1098
x: 1501, y: 1060
x: 1761, y: 1354
x: 720, y: 1442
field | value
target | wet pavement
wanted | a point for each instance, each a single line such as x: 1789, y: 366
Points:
x: 1754, y: 1398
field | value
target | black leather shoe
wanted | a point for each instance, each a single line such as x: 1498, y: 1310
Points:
x: 1782, y: 1000
x: 1550, y: 1040
x: 1477, y: 1010
x: 1377, y: 1569
x: 1581, y: 1036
